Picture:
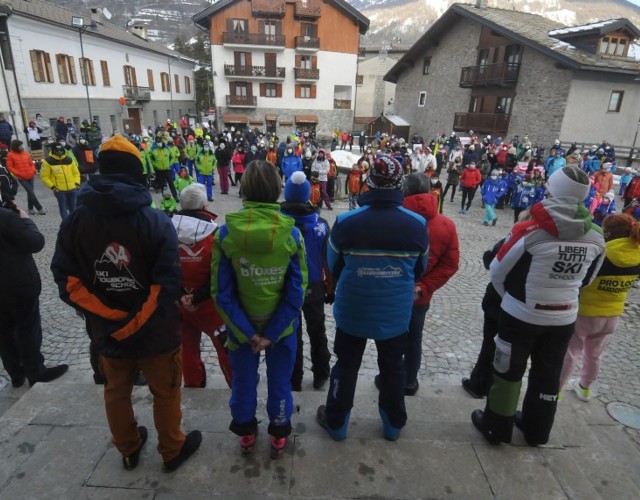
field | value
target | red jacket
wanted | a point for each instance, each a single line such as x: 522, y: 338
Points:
x: 632, y: 191
x: 470, y: 177
x: 21, y: 165
x: 444, y: 254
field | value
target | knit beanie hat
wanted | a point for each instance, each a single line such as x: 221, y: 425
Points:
x: 297, y: 189
x: 193, y: 197
x: 610, y: 196
x: 385, y: 173
x: 118, y: 156
x: 562, y: 183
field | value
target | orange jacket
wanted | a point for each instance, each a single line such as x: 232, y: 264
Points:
x: 355, y: 182
x: 605, y: 181
x: 21, y: 165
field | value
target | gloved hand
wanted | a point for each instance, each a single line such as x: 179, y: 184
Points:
x: 55, y: 189
x: 330, y: 298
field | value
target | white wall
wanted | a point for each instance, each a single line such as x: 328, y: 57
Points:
x: 335, y: 69
x: 29, y: 35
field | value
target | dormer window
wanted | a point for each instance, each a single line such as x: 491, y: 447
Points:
x: 614, y: 46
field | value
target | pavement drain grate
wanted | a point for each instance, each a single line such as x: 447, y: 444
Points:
x: 624, y: 413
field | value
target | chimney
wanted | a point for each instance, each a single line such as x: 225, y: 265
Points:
x: 96, y: 15
x: 140, y: 31
x: 482, y: 4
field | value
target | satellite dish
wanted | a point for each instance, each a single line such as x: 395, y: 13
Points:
x: 106, y: 13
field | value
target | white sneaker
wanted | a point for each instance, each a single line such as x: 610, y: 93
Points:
x: 582, y: 393
x: 32, y: 212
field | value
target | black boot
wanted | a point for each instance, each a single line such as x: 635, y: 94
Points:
x: 50, y: 374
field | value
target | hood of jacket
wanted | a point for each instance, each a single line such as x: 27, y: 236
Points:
x: 259, y: 227
x: 563, y: 217
x: 425, y: 204
x: 304, y: 214
x: 113, y: 194
x: 623, y: 252
x: 192, y: 230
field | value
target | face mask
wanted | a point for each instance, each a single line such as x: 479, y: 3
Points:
x: 20, y: 148
x: 221, y: 146
x: 290, y: 151
x: 434, y: 180
x: 494, y: 177
x: 253, y: 149
x: 206, y: 148
x: 63, y: 144
x: 472, y: 167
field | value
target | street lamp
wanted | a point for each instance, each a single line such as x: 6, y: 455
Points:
x: 78, y: 22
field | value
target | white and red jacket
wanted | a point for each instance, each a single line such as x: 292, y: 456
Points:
x: 544, y: 262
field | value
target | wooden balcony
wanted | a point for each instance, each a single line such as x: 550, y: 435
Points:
x: 233, y: 38
x: 502, y: 74
x: 257, y: 72
x: 342, y: 104
x: 133, y: 93
x: 309, y: 9
x: 268, y: 8
x: 242, y: 101
x: 307, y: 44
x: 484, y: 123
x: 306, y: 74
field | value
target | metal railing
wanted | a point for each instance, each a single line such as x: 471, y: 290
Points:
x: 486, y: 123
x: 134, y: 93
x: 242, y: 38
x: 306, y: 74
x: 490, y: 74
x: 254, y: 71
x: 249, y: 101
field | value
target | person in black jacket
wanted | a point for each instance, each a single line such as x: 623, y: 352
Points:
x: 116, y: 261
x: 20, y: 328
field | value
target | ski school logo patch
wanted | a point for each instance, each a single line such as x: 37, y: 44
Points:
x: 112, y: 269
x: 118, y: 255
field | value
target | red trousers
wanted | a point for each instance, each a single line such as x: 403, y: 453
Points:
x: 204, y: 319
x: 163, y: 375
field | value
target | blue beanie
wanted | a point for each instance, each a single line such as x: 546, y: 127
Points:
x: 297, y: 189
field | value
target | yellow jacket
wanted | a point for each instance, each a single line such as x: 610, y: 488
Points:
x: 606, y: 295
x: 60, y: 172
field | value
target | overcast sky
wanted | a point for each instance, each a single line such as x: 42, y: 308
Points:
x: 636, y: 2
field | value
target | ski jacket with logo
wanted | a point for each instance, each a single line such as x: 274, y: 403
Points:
x: 492, y: 191
x: 606, y: 295
x: 544, y: 262
x: 375, y: 255
x: 259, y: 273
x: 206, y: 163
x: 116, y: 260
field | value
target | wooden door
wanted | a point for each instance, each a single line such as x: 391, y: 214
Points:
x: 134, y: 114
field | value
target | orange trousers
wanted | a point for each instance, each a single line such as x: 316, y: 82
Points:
x: 163, y: 374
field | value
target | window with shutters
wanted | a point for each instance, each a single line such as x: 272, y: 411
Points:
x: 305, y: 62
x: 41, y: 65
x: 176, y: 80
x: 150, y: 83
x: 130, y: 78
x: 87, y: 75
x: 187, y: 85
x: 306, y: 91
x: 308, y: 29
x: 164, y: 80
x: 66, y: 69
x: 239, y: 25
x: 106, y: 79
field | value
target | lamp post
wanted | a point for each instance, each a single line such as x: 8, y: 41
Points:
x: 78, y: 22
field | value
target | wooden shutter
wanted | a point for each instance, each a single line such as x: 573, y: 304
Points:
x: 249, y: 89
x: 127, y: 77
x: 106, y: 79
x: 278, y: 90
x: 314, y: 62
x: 92, y: 73
x: 270, y: 59
x: 232, y: 88
x: 261, y: 27
x: 298, y: 92
x: 236, y: 59
x: 38, y: 75
x: 133, y: 77
x: 150, y: 79
x: 49, y: 71
x: 263, y: 90
x: 176, y: 79
x: 278, y: 27
x: 313, y: 91
x: 248, y: 57
x: 298, y: 61
x: 229, y: 24
x: 61, y: 71
x: 72, y: 71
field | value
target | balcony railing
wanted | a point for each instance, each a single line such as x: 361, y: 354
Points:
x: 503, y: 74
x: 362, y: 54
x: 267, y: 7
x: 342, y: 104
x: 254, y: 71
x: 359, y: 80
x: 306, y: 74
x: 133, y: 93
x: 307, y: 42
x: 308, y: 8
x: 244, y: 101
x: 242, y: 38
x: 485, y: 123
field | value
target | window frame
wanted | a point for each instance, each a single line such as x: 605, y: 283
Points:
x: 66, y: 69
x: 43, y: 73
x: 165, y: 82
x: 422, y: 99
x: 618, y: 105
x: 187, y: 85
x: 104, y: 69
x: 150, y: 82
x: 87, y: 64
x: 176, y: 83
x: 426, y: 65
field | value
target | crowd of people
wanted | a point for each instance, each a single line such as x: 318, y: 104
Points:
x: 149, y: 285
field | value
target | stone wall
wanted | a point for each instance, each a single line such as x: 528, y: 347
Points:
x: 541, y: 98
x: 444, y: 96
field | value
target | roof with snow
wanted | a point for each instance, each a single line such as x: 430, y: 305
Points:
x: 530, y: 30
x: 202, y: 18
x: 398, y: 121
x: 49, y: 13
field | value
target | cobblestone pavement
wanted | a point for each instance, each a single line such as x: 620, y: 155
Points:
x: 453, y: 329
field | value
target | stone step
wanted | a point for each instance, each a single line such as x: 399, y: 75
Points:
x: 55, y: 443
